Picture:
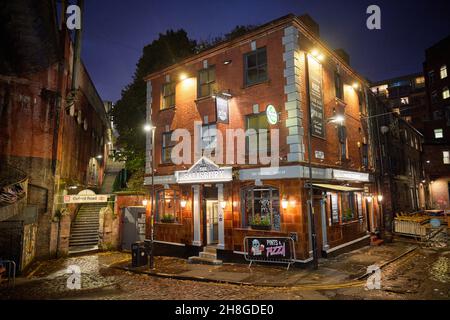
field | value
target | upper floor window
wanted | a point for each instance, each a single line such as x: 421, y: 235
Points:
x: 258, y: 139
x: 206, y: 82
x: 342, y: 134
x: 431, y: 76
x: 404, y: 100
x: 438, y: 133
x: 209, y: 137
x: 443, y: 72
x: 255, y: 64
x: 446, y: 157
x: 445, y: 93
x: 434, y: 96
x: 420, y: 81
x: 168, y: 95
x: 339, y: 86
x: 166, y: 147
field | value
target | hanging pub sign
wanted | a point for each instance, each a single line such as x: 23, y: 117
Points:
x: 315, y: 98
x: 222, y: 111
x: 272, y: 114
x: 269, y: 249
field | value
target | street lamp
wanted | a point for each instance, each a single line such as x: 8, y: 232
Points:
x: 150, y: 128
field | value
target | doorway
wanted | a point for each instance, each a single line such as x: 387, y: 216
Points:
x: 212, y: 222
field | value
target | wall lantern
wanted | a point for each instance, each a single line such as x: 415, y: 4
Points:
x: 183, y: 203
x: 183, y: 76
x: 284, y: 203
x: 223, y: 204
x: 369, y: 199
x: 355, y: 85
x: 144, y: 202
x: 380, y: 197
x: 99, y: 156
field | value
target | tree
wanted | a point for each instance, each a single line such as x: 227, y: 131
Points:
x: 129, y: 111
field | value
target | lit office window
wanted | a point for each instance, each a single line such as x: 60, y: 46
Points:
x: 445, y: 93
x: 443, y: 72
x: 446, y: 157
x: 438, y: 133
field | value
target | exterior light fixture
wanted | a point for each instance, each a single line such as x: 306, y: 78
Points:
x: 227, y: 62
x: 183, y: 203
x: 380, y: 197
x: 315, y: 52
x: 292, y: 203
x: 320, y: 57
x: 369, y: 199
x: 148, y: 127
x: 144, y: 202
x: 223, y: 204
x: 99, y: 156
x: 355, y: 85
x: 339, y: 118
x: 183, y: 76
x: 428, y: 161
x: 227, y: 94
x: 284, y: 203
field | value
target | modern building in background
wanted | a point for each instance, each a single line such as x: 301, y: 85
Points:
x: 437, y: 124
x: 270, y: 78
x: 54, y: 131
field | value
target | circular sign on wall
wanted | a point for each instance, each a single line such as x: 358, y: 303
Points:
x: 272, y: 114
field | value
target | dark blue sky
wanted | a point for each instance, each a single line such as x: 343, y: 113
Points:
x: 116, y: 31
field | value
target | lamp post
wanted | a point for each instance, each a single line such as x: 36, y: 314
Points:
x: 150, y: 128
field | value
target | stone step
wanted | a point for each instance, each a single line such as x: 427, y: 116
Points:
x: 208, y: 255
x: 81, y: 242
x: 201, y: 260
x: 210, y: 249
x: 93, y: 233
x: 76, y: 227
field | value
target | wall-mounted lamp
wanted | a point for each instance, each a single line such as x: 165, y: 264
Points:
x: 284, y: 203
x: 355, y: 85
x: 223, y: 204
x: 227, y: 62
x: 380, y: 197
x: 183, y: 76
x: 99, y: 156
x: 148, y: 127
x: 144, y: 202
x: 183, y: 203
x: 369, y: 199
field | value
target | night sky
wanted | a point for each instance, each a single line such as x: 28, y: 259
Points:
x: 116, y: 31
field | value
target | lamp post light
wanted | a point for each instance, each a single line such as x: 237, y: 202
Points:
x: 149, y: 128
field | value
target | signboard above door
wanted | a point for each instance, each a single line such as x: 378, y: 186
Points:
x: 204, y: 171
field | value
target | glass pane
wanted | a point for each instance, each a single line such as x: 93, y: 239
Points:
x: 252, y: 76
x: 262, y: 57
x: 203, y: 76
x: 251, y: 60
x: 204, y: 90
x: 262, y: 73
x: 212, y: 74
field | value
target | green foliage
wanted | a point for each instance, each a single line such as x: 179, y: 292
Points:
x: 260, y: 221
x: 168, y: 218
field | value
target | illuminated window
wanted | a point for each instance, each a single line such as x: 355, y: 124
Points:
x: 404, y: 100
x: 168, y: 95
x: 443, y: 72
x: 446, y: 157
x: 261, y: 207
x: 438, y: 133
x: 420, y: 81
x: 168, y: 206
x: 258, y: 139
x: 445, y: 93
x: 206, y: 82
x: 167, y: 146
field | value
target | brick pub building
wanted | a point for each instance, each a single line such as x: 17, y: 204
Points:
x: 237, y: 84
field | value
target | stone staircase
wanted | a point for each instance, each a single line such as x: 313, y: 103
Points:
x: 207, y: 256
x: 84, y: 229
x: 112, y: 170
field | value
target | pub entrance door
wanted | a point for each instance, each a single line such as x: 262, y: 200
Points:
x: 212, y: 222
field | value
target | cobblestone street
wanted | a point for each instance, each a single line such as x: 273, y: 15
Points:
x: 422, y: 274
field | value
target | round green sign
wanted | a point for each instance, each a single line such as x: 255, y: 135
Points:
x: 272, y: 114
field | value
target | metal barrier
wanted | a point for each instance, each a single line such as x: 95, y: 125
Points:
x: 269, y: 250
x: 11, y: 271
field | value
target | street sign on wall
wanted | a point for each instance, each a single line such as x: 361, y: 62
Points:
x: 315, y: 98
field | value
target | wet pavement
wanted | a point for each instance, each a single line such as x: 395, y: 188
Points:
x: 421, y: 274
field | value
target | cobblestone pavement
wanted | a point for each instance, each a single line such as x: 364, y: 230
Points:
x: 424, y: 274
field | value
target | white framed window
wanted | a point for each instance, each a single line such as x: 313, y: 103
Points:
x: 445, y: 93
x: 443, y: 72
x: 209, y: 137
x: 404, y: 100
x: 438, y: 133
x: 446, y: 157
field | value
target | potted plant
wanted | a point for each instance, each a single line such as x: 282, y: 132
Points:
x: 348, y: 214
x: 259, y: 223
x: 168, y: 218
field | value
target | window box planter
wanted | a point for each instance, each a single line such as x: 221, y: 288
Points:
x: 261, y: 227
x: 168, y: 219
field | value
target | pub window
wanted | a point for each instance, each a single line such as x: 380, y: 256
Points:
x: 209, y: 138
x: 348, y: 206
x: 359, y: 208
x: 206, y: 82
x: 445, y: 93
x: 438, y: 133
x: 342, y: 134
x: 167, y: 146
x: 434, y: 96
x: 262, y: 207
x: 338, y: 85
x: 168, y: 206
x: 446, y: 157
x: 334, y: 207
x: 255, y: 64
x: 443, y: 72
x: 168, y: 95
x: 258, y: 139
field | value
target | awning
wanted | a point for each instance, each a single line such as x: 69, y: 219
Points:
x: 336, y: 187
